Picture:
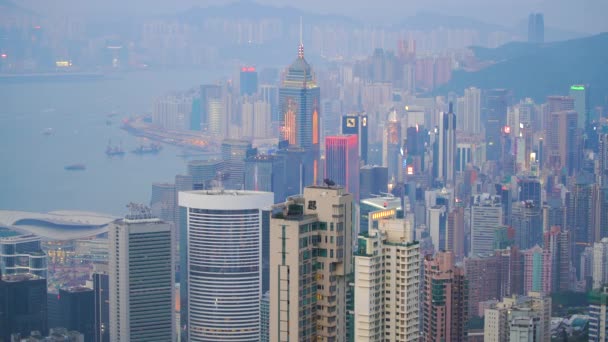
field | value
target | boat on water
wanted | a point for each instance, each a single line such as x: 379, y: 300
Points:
x: 112, y: 151
x: 148, y: 149
x: 75, y: 167
x: 48, y: 131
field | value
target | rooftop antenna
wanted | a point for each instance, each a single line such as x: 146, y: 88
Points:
x: 301, y: 46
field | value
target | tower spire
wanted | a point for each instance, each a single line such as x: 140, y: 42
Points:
x: 301, y: 46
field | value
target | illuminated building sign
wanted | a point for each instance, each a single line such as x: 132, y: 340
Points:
x: 350, y: 124
x: 577, y: 87
x: 382, y: 214
x: 63, y: 64
x: 410, y: 170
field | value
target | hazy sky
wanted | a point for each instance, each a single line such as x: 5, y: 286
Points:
x: 575, y: 15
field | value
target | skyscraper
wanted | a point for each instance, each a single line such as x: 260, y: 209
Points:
x: 557, y: 242
x: 101, y: 286
x: 374, y: 181
x: 494, y: 113
x: 579, y: 92
x: 22, y: 254
x: 299, y: 105
x: 23, y: 304
x: 471, y: 117
x: 342, y: 162
x: 562, y: 141
x: 310, y: 261
x: 602, y: 172
x: 379, y: 283
x: 234, y: 153
x: 357, y: 124
x: 266, y: 173
x: 391, y: 147
x: 536, y: 28
x: 486, y: 217
x: 447, y: 147
x: 438, y: 226
x: 445, y: 299
x: 141, y: 271
x: 526, y: 219
x: 248, y: 80
x: 223, y: 265
x: 75, y: 306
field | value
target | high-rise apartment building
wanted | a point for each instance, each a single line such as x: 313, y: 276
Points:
x: 221, y: 263
x: 519, y: 318
x: 598, y: 311
x: 536, y: 28
x: 455, y: 241
x: 557, y: 243
x: 300, y: 112
x: 387, y: 272
x: 602, y: 159
x: 483, y: 276
x: 22, y: 254
x: 537, y: 270
x: 141, y: 274
x: 342, y: 162
x: 471, y: 117
x: 445, y: 299
x: 600, y: 264
x: 486, y: 217
x: 310, y: 261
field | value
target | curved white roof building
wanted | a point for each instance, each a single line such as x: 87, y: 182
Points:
x: 56, y: 225
x: 223, y: 268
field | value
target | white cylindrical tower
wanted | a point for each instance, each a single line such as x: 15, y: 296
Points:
x: 224, y: 263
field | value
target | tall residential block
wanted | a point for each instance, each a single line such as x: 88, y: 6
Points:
x: 222, y: 263
x: 311, y: 240
x: 141, y: 274
x: 598, y: 311
x: 445, y: 299
x: 387, y: 272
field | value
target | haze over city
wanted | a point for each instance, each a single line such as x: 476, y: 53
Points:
x: 303, y: 171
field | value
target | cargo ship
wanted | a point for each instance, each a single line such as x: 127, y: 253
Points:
x: 75, y: 167
x: 148, y: 149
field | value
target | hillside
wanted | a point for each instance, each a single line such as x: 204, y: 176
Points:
x: 538, y: 71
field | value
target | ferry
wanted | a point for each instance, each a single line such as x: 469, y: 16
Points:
x: 148, y: 149
x: 112, y: 151
x: 75, y: 167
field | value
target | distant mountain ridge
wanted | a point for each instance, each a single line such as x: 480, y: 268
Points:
x: 538, y: 71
